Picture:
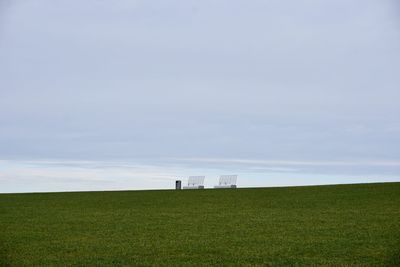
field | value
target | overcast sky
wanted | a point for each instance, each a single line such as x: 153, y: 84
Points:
x: 101, y: 95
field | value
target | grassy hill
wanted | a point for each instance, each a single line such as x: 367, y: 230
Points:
x: 341, y: 225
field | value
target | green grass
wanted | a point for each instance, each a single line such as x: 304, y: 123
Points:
x: 342, y: 225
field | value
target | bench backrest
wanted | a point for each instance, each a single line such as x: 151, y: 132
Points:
x: 196, y: 181
x: 228, y: 179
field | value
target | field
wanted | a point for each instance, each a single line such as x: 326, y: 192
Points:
x: 341, y: 225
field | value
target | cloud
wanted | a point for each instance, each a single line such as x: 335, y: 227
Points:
x: 75, y: 175
x: 263, y: 87
x: 48, y: 175
x: 293, y: 162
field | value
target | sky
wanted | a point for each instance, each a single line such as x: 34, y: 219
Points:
x: 126, y: 95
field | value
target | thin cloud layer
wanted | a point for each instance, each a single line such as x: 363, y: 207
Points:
x: 67, y: 175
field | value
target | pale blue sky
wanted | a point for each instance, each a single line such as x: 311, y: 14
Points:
x: 105, y: 94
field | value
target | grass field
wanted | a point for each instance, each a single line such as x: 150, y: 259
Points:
x: 343, y: 225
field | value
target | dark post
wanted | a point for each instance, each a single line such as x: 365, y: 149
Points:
x: 178, y: 184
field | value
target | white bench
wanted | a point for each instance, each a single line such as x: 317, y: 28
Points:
x: 195, y: 182
x: 227, y: 181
